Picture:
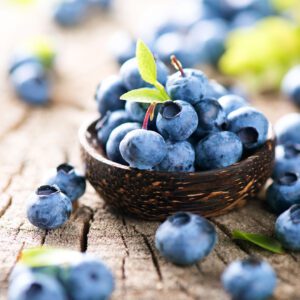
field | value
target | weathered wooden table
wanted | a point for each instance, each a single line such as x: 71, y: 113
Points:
x: 33, y: 140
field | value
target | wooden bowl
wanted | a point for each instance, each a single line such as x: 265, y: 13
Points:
x: 154, y: 195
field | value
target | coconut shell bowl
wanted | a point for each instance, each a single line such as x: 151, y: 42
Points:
x: 154, y: 195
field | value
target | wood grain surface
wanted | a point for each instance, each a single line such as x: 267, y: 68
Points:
x: 33, y: 140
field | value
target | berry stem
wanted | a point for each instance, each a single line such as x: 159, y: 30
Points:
x: 177, y: 65
x: 149, y: 115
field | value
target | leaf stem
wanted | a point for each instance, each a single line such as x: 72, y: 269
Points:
x: 177, y: 65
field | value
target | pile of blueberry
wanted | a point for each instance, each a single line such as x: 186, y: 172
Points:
x: 195, y: 31
x: 73, y: 12
x: 60, y: 275
x: 51, y: 205
x: 201, y: 127
x: 30, y: 78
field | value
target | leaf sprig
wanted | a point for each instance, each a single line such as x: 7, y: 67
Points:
x: 148, y: 70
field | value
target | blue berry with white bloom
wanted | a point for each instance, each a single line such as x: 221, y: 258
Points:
x: 287, y: 129
x: 232, y: 102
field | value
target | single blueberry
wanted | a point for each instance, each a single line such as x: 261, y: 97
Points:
x: 143, y: 149
x: 284, y: 192
x: 22, y: 58
x: 291, y: 84
x: 31, y: 83
x: 108, y: 95
x: 29, y: 286
x: 131, y: 75
x: 215, y: 90
x: 211, y: 117
x: 115, y: 138
x: 136, y: 111
x: 218, y: 150
x: 89, y: 279
x: 70, y: 12
x: 189, y: 86
x: 287, y: 159
x: 245, y: 19
x: 180, y: 157
x: 185, y: 238
x: 232, y: 102
x: 177, y: 120
x: 287, y: 129
x: 69, y: 181
x: 249, y: 279
x: 103, y: 4
x: 48, y: 208
x: 109, y: 122
x: 250, y: 125
x: 287, y: 228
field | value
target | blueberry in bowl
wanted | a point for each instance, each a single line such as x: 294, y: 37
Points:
x: 154, y: 172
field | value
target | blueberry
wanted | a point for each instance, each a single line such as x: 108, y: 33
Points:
x: 287, y: 129
x: 131, y: 76
x: 174, y: 44
x: 291, y: 85
x: 211, y: 117
x: 22, y: 58
x: 143, y: 149
x: 208, y: 37
x: 245, y: 19
x: 89, y: 279
x: 29, y: 286
x: 103, y: 4
x: 109, y: 122
x: 250, y: 125
x: 185, y: 238
x: 69, y: 181
x: 108, y: 95
x: 218, y: 150
x: 287, y: 159
x: 70, y: 12
x: 190, y: 86
x: 287, y: 228
x: 136, y: 110
x: 249, y: 279
x: 180, y: 158
x: 115, y: 138
x: 48, y: 208
x: 215, y: 90
x: 177, y: 120
x: 31, y: 83
x: 232, y: 102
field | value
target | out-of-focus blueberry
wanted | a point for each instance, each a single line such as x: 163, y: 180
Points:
x: 215, y: 90
x: 287, y: 129
x: 232, y: 102
x: 291, y: 85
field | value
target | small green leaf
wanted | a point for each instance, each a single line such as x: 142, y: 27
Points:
x: 144, y: 95
x: 260, y: 240
x: 146, y: 62
x: 43, y: 257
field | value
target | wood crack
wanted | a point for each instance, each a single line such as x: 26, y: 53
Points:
x: 86, y: 228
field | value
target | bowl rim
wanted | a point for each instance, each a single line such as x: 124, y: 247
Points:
x: 86, y: 145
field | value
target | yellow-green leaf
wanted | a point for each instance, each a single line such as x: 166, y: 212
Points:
x: 146, y: 62
x: 263, y: 241
x: 144, y: 95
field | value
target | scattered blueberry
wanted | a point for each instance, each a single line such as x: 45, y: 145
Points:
x: 29, y: 286
x: 89, y: 279
x: 287, y: 129
x: 250, y: 125
x: 180, y: 157
x: 232, y: 102
x: 131, y: 76
x: 69, y: 181
x: 31, y: 83
x: 108, y: 95
x: 103, y: 4
x: 48, y: 208
x: 109, y: 122
x: 189, y: 85
x: 177, y: 120
x: 218, y: 150
x: 287, y: 159
x: 211, y: 117
x: 291, y: 85
x: 22, y: 58
x: 185, y: 238
x: 115, y: 138
x: 249, y: 279
x: 143, y: 149
x: 287, y: 228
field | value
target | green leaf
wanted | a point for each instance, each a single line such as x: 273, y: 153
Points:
x: 144, y: 95
x: 260, y: 240
x: 146, y: 62
x: 43, y: 257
